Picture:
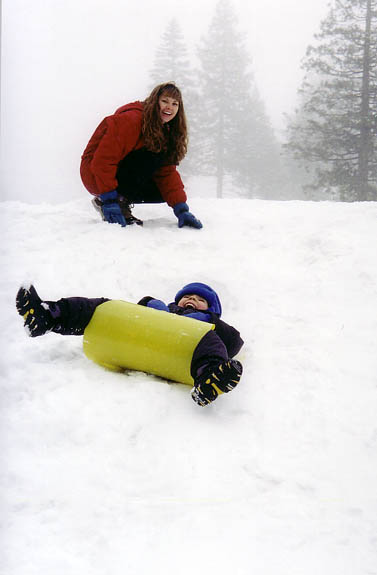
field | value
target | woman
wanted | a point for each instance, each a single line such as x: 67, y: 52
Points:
x: 132, y: 158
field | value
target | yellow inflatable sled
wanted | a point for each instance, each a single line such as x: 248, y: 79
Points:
x: 123, y: 335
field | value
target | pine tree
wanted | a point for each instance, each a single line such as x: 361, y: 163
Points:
x: 172, y: 63
x: 335, y: 128
x: 235, y: 136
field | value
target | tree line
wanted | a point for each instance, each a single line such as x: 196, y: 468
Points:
x: 330, y: 144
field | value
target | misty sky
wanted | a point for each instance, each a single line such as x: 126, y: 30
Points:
x: 68, y: 63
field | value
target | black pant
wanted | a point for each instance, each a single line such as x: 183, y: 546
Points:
x: 135, y: 177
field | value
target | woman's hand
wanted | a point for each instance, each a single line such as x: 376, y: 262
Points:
x: 186, y: 218
x: 111, y: 209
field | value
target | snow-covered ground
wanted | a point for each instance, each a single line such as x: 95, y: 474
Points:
x: 113, y: 474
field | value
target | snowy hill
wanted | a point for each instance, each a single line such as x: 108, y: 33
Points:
x: 113, y: 474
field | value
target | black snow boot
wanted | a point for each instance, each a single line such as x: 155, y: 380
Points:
x: 39, y: 316
x: 125, y: 206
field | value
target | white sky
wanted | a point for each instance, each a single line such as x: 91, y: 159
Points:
x: 68, y: 63
x: 111, y: 37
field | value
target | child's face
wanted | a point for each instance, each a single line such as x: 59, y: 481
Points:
x: 193, y: 300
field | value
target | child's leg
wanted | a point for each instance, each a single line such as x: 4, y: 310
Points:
x: 67, y: 316
x: 210, y: 350
x: 75, y: 314
x: 212, y: 370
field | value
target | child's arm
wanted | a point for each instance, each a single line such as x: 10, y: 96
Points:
x: 149, y: 301
x: 229, y: 335
x: 200, y: 315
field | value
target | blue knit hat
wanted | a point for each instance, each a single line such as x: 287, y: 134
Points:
x: 203, y: 290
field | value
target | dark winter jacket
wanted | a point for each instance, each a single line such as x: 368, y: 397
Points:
x: 115, y: 137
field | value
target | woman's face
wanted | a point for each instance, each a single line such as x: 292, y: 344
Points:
x: 194, y: 301
x: 168, y: 108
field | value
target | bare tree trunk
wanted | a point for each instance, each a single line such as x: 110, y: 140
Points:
x: 365, y: 130
x: 219, y: 183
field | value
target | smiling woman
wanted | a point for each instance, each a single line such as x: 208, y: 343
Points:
x: 131, y: 158
x: 168, y: 108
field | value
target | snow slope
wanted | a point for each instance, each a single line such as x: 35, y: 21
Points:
x: 113, y: 474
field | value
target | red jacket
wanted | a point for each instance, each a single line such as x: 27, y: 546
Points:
x: 115, y: 137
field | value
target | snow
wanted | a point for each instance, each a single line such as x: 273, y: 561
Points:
x: 110, y: 474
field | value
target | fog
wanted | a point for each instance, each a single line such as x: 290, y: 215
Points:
x: 68, y: 63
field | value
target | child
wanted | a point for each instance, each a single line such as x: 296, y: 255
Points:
x: 132, y: 155
x: 212, y: 367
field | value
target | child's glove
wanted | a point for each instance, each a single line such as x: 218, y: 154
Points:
x: 203, y: 394
x: 111, y: 208
x: 215, y: 380
x: 186, y: 218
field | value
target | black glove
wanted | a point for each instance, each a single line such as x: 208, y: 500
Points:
x: 111, y: 208
x: 186, y: 218
x: 203, y: 394
x: 215, y: 380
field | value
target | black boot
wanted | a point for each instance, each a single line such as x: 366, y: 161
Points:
x: 215, y: 380
x: 39, y: 316
x: 125, y: 206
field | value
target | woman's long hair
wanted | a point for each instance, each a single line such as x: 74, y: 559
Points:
x: 170, y: 138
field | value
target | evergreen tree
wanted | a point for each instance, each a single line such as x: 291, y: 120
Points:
x: 171, y: 60
x: 172, y: 63
x: 335, y: 128
x: 235, y: 136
